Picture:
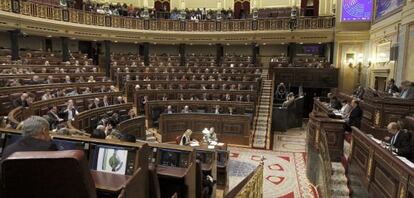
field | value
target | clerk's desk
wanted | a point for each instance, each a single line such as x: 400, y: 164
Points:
x: 232, y: 129
x: 383, y: 173
x: 324, y: 118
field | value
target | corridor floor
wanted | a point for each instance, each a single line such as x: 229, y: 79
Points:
x: 284, y: 170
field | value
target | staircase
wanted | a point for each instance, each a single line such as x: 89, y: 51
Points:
x: 263, y: 118
x: 339, y: 181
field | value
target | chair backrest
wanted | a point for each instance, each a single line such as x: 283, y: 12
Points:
x: 154, y: 185
x: 47, y: 174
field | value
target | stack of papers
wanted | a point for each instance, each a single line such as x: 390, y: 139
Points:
x: 194, y: 144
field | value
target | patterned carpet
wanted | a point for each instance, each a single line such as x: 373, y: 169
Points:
x: 285, y: 167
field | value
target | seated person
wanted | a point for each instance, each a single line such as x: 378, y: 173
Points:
x: 22, y: 101
x: 407, y: 90
x: 70, y: 111
x: 47, y: 95
x: 99, y: 132
x: 169, y: 110
x: 186, y: 109
x: 281, y: 92
x: 391, y: 87
x: 111, y: 132
x: 289, y: 100
x: 186, y: 138
x: 119, y: 100
x: 334, y: 102
x: 105, y: 101
x: 400, y: 140
x: 36, y: 137
x: 54, y: 118
x: 355, y: 116
x: 95, y: 104
x: 346, y: 108
x: 209, y: 135
x: 35, y: 80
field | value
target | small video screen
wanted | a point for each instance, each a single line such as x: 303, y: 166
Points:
x: 63, y: 145
x: 117, y: 160
x: 173, y: 158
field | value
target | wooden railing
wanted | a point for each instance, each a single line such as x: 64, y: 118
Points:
x: 95, y: 19
x: 319, y: 168
x: 249, y: 187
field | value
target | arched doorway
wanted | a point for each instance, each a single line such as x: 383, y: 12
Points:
x: 162, y: 8
x: 309, y: 7
x: 241, y: 9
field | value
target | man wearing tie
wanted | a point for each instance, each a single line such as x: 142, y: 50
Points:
x: 400, y: 139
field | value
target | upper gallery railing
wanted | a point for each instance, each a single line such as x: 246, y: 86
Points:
x: 90, y: 18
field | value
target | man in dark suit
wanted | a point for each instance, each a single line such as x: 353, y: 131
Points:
x: 391, y: 87
x: 119, y: 100
x: 407, y: 90
x: 54, y: 118
x: 355, y: 116
x: 22, y: 101
x: 400, y: 140
x: 35, y: 137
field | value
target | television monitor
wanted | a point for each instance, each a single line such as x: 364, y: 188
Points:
x: 204, y: 157
x: 357, y: 10
x: 221, y: 158
x: 69, y: 145
x: 173, y: 158
x: 113, y: 159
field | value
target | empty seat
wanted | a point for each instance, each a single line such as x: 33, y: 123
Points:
x: 47, y: 174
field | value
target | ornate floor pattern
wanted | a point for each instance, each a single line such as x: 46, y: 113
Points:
x: 284, y: 171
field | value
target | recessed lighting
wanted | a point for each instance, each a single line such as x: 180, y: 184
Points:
x: 320, y: 43
x: 209, y: 44
x: 227, y: 43
x: 264, y: 43
x: 301, y: 43
x: 95, y: 40
x: 282, y: 43
x: 136, y: 42
x: 73, y: 38
x: 116, y: 41
x: 49, y: 36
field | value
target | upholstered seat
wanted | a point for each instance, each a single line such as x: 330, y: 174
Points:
x: 47, y: 174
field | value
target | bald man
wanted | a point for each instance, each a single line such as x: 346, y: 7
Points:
x: 400, y: 139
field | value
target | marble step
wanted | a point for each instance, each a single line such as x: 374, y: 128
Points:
x: 337, y: 167
x: 339, y: 180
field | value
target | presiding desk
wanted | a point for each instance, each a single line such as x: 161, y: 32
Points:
x: 323, y: 118
x: 304, y: 76
x: 380, y: 109
x: 232, y: 129
x: 383, y: 173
